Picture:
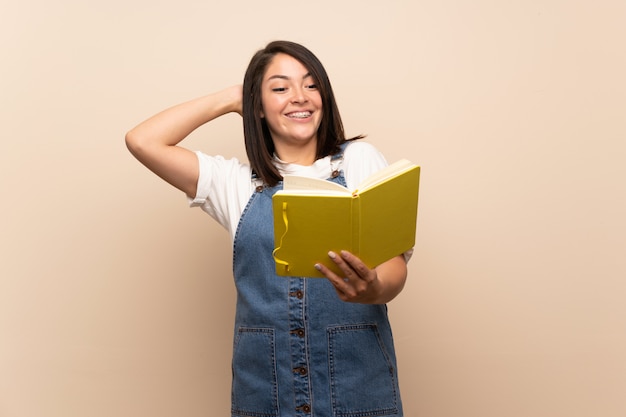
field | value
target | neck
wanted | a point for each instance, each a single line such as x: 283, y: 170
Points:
x: 301, y: 155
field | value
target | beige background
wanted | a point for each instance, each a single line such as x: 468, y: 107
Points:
x: 117, y: 300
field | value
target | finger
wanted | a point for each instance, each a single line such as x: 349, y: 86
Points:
x: 345, y: 267
x: 336, y: 280
x: 356, y: 265
x: 343, y: 286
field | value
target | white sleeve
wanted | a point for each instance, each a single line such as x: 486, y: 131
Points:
x: 224, y: 188
x: 361, y: 159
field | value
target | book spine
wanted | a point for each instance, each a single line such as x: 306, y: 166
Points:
x: 355, y: 229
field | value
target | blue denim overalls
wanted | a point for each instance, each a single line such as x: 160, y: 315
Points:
x: 298, y: 349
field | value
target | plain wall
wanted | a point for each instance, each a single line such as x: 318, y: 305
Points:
x: 116, y: 299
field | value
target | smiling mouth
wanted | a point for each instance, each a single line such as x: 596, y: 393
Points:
x: 299, y: 114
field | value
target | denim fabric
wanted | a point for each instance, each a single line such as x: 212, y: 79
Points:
x: 298, y: 349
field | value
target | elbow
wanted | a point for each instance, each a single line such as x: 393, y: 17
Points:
x: 133, y: 142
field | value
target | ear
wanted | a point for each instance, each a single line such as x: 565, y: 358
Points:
x: 261, y: 114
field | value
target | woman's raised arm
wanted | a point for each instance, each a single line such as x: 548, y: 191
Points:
x: 154, y: 141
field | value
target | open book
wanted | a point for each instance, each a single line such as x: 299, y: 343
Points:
x: 375, y: 222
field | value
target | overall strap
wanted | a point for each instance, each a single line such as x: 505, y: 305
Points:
x: 336, y: 160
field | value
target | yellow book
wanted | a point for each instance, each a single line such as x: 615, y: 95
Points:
x: 376, y: 222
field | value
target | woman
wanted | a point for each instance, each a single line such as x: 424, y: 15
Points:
x: 310, y: 347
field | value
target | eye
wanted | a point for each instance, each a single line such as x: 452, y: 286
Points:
x: 279, y: 89
x: 311, y: 86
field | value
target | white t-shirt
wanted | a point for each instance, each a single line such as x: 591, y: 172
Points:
x: 225, y: 185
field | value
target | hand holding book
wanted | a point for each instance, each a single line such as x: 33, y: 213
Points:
x: 360, y: 284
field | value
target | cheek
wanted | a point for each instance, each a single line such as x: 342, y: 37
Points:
x: 268, y: 107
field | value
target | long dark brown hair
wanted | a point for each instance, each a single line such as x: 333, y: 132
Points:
x: 258, y: 140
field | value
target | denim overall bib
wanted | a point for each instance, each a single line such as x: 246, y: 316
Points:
x: 299, y: 350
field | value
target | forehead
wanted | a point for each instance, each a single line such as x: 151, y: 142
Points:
x: 285, y: 66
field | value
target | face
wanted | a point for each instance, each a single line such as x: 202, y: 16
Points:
x: 291, y: 103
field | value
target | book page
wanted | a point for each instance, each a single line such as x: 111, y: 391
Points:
x: 295, y: 182
x: 383, y: 174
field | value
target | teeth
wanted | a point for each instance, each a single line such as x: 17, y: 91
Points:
x: 300, y: 114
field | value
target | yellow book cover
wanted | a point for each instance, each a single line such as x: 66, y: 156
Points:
x: 376, y: 222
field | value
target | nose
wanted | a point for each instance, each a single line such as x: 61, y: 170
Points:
x: 299, y: 96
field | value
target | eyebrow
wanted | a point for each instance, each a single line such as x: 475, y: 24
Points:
x: 285, y: 77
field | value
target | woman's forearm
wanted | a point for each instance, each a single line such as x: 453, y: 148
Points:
x: 172, y: 125
x: 392, y: 275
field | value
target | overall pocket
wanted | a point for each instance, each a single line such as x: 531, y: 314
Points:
x: 362, y: 375
x: 254, y: 390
